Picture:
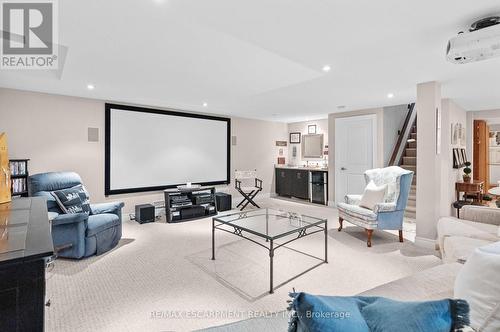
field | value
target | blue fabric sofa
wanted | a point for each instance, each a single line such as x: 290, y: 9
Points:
x: 83, y: 235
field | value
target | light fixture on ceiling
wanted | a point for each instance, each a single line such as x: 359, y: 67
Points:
x: 90, y: 86
x: 205, y: 104
x: 390, y: 95
x: 326, y: 68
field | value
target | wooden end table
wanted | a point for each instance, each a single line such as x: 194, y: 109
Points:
x: 472, y: 187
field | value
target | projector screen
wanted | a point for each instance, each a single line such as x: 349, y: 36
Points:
x: 149, y: 149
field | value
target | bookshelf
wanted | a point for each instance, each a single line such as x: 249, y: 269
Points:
x: 19, y: 177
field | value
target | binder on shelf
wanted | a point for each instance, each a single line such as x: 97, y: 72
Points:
x: 19, y: 176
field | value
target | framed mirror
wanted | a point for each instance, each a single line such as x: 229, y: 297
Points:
x: 312, y: 146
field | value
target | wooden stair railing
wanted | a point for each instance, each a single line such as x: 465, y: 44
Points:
x: 404, y: 135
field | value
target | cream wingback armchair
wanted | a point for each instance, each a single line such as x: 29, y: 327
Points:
x: 386, y: 215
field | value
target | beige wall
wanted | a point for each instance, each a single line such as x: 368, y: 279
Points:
x: 51, y: 130
x: 394, y: 118
x: 451, y: 113
x: 428, y: 163
x: 256, y: 149
x: 379, y: 112
x: 301, y: 127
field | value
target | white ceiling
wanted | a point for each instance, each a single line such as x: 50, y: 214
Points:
x: 264, y: 58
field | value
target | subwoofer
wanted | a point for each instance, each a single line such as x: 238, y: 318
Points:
x: 224, y: 201
x: 144, y: 213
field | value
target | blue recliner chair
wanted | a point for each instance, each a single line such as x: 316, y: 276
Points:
x: 386, y: 215
x: 80, y: 235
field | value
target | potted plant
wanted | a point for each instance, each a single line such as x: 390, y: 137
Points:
x: 467, y: 172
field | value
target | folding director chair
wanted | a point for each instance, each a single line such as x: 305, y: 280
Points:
x: 251, y: 187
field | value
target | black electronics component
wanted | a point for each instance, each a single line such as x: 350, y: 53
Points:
x: 202, y: 198
x: 144, y: 213
x: 189, y: 203
x: 224, y: 201
x: 193, y: 212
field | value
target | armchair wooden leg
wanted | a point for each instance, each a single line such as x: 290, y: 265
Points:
x: 400, y: 235
x: 340, y: 222
x: 369, y: 233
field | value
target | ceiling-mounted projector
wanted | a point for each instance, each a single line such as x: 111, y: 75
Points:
x: 481, y: 42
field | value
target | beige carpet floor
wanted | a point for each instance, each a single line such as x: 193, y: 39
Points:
x: 161, y: 278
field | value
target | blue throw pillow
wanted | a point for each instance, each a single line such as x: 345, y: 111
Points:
x: 72, y: 200
x: 367, y: 314
x: 327, y: 313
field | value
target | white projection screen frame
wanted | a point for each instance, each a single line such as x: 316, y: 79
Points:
x: 150, y: 150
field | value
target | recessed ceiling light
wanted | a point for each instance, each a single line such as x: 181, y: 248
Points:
x: 390, y: 95
x: 205, y: 104
x: 326, y: 68
x: 90, y: 86
x: 341, y: 107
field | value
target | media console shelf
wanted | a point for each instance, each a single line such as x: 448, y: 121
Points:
x: 189, y: 204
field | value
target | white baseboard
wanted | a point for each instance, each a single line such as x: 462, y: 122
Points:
x: 426, y: 243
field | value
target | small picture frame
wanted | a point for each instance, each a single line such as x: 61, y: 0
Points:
x: 281, y: 143
x: 464, y: 156
x: 311, y: 129
x: 456, y: 159
x: 460, y: 158
x: 454, y: 133
x: 294, y: 138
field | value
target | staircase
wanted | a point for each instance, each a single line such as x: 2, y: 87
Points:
x: 409, y: 162
x: 405, y: 156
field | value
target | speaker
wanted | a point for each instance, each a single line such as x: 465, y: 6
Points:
x: 144, y: 213
x: 224, y: 201
x: 93, y: 134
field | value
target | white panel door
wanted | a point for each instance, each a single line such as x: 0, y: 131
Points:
x: 355, y: 152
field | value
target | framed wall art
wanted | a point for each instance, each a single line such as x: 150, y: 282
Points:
x: 294, y: 138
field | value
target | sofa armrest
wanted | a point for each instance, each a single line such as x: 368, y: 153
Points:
x: 111, y: 207
x: 482, y: 214
x: 384, y: 207
x: 70, y: 218
x: 352, y: 199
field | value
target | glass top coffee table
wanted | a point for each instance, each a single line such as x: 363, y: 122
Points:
x: 270, y: 225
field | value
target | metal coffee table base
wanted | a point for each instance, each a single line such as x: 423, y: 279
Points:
x: 272, y: 247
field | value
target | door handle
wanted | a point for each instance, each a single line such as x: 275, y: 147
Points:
x: 343, y: 169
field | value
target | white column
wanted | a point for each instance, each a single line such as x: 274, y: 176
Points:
x: 428, y: 163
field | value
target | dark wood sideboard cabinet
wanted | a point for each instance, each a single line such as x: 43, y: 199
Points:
x: 292, y: 183
x: 25, y: 244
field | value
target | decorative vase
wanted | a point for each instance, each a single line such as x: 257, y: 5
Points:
x: 466, y: 178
